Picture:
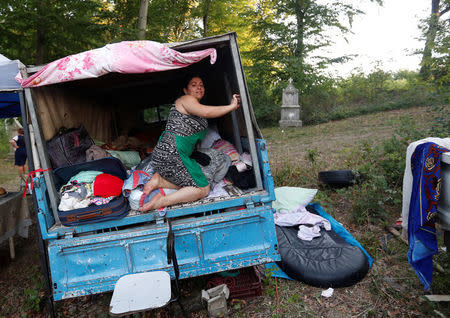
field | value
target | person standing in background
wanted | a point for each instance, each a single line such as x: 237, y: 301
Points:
x: 20, y: 155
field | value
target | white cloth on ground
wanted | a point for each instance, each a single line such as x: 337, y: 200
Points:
x: 408, y: 177
x: 300, y: 216
x: 307, y: 233
x: 328, y: 292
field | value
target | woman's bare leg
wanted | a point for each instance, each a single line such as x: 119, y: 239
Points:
x: 183, y: 195
x: 21, y: 172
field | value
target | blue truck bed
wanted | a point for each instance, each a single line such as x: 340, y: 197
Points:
x: 211, y: 235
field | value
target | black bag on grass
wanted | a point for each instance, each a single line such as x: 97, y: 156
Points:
x: 325, y: 261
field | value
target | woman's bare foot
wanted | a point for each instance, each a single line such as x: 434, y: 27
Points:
x: 155, y: 203
x: 152, y: 184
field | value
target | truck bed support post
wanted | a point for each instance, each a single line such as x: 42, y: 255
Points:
x: 44, y: 160
x: 245, y: 108
x: 44, y: 263
x: 236, y: 134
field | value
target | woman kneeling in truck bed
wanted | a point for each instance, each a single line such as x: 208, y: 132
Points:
x: 174, y: 169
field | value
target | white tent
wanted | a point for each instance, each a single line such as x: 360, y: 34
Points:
x: 9, y: 87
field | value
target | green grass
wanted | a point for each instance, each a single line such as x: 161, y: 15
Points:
x: 8, y: 176
x: 375, y: 145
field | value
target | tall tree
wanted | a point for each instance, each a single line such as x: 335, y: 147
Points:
x: 222, y: 16
x: 206, y: 6
x: 290, y: 32
x: 38, y: 31
x: 172, y: 20
x: 294, y: 30
x: 299, y: 27
x: 142, y: 23
x: 438, y: 9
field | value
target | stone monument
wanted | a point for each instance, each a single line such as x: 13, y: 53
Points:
x: 290, y: 109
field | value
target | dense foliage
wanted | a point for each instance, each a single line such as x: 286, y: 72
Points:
x: 278, y: 39
x: 4, y: 138
x: 436, y: 35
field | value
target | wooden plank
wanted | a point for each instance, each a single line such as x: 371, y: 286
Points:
x: 12, y: 252
x: 396, y: 234
x: 437, y: 297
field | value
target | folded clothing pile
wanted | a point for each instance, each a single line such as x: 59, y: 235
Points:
x: 237, y: 169
x: 89, y: 188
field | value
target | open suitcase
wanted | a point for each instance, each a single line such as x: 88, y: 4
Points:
x: 115, y: 209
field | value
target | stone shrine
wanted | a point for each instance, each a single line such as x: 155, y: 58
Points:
x: 290, y: 109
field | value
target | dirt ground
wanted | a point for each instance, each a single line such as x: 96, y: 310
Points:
x: 390, y: 289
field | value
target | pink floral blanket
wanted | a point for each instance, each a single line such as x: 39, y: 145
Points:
x: 124, y: 57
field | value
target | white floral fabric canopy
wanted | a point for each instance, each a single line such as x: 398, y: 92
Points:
x: 125, y: 57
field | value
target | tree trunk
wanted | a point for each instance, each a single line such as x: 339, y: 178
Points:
x: 300, y: 17
x: 205, y: 17
x: 430, y: 37
x: 41, y: 45
x: 142, y: 21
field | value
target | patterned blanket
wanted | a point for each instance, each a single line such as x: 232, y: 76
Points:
x: 426, y: 169
x: 124, y: 57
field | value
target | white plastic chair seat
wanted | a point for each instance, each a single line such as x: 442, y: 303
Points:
x: 140, y: 292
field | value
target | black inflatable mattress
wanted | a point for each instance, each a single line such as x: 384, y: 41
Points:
x: 325, y: 261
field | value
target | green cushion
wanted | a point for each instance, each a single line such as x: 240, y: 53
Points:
x: 128, y: 158
x: 289, y: 198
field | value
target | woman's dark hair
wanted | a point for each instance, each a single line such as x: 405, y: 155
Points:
x: 20, y: 131
x: 188, y: 77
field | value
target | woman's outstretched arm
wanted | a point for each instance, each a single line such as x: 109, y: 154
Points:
x: 191, y: 106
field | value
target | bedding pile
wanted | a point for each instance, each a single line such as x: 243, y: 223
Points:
x: 89, y: 188
x: 219, y: 160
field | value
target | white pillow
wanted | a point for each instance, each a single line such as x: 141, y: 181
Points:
x: 210, y: 138
x: 289, y: 198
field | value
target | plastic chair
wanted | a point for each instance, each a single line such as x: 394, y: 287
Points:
x: 150, y: 290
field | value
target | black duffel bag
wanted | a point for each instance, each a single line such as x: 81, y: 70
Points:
x: 68, y: 146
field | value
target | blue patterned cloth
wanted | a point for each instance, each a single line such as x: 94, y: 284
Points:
x: 133, y: 189
x: 426, y: 169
